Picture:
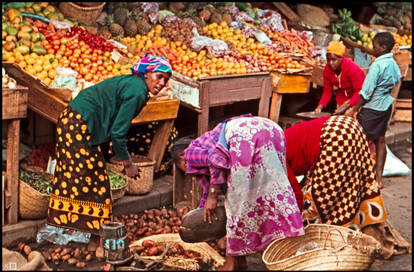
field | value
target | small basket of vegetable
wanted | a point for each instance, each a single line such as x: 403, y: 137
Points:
x: 34, y: 190
x: 139, y: 185
x: 118, y: 185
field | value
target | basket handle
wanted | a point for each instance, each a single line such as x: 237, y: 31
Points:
x: 329, y: 233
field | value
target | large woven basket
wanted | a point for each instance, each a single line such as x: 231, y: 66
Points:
x: 136, y: 186
x: 32, y: 203
x: 86, y: 15
x: 205, y: 250
x: 338, y: 248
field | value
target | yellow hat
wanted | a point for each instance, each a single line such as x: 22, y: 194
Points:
x: 336, y: 48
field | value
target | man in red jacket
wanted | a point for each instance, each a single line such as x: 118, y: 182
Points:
x: 344, y: 74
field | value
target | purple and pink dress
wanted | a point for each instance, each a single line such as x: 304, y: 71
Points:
x: 248, y: 154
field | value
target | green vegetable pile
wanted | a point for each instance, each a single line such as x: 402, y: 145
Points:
x: 116, y: 181
x: 346, y: 26
x: 36, y: 181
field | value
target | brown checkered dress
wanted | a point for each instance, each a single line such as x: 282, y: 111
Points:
x: 341, y: 188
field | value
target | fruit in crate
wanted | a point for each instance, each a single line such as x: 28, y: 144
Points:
x: 403, y: 40
x: 366, y: 39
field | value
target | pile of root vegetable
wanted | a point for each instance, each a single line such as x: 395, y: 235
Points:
x: 137, y: 226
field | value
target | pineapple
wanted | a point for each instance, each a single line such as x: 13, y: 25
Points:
x: 115, y: 29
x: 142, y: 24
x: 130, y: 27
x: 121, y: 14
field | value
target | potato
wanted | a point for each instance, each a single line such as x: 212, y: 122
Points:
x: 80, y: 265
x: 88, y: 257
x: 72, y: 261
x: 66, y: 257
x: 137, y: 249
x: 153, y: 251
x: 148, y: 243
x: 27, y: 249
x: 76, y: 253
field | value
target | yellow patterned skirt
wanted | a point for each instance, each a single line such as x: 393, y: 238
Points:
x: 341, y: 189
x: 81, y: 196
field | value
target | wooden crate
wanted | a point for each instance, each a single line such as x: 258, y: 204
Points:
x: 290, y: 83
x: 26, y: 79
x: 403, y: 57
x: 286, y: 84
x: 200, y: 95
x: 186, y: 190
x: 14, y: 104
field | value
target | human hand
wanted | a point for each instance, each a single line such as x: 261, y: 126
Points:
x: 349, y: 112
x: 132, y: 171
x: 210, y: 209
x: 318, y: 109
x: 341, y: 109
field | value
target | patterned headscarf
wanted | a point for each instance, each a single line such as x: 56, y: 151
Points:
x: 336, y: 48
x: 151, y: 64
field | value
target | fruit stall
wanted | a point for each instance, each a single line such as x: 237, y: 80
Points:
x: 222, y: 53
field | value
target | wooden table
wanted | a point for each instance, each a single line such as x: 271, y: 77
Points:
x: 49, y: 103
x: 14, y: 107
x: 203, y: 94
x: 286, y: 84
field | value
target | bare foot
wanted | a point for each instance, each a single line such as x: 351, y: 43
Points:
x: 380, y: 185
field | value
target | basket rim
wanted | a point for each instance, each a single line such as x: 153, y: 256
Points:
x: 85, y: 8
x: 148, y: 161
x: 25, y: 184
x: 303, y: 255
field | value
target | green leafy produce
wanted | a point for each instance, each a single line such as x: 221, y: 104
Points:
x: 116, y: 181
x: 36, y: 181
x: 346, y: 26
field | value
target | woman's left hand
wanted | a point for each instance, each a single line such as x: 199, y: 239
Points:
x: 210, y: 209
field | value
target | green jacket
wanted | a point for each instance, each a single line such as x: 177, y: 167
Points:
x: 109, y: 107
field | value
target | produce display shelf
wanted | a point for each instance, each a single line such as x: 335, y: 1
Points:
x: 202, y: 94
x: 49, y: 103
x: 14, y: 107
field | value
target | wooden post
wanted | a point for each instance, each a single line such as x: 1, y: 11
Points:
x: 12, y: 174
x: 203, y: 116
x: 186, y: 190
x: 264, y: 97
x: 395, y: 91
x: 159, y: 142
x: 275, y: 105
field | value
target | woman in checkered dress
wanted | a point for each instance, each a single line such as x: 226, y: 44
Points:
x: 339, y: 185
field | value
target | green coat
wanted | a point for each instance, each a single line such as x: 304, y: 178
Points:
x: 109, y: 107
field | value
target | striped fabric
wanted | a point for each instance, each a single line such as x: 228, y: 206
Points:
x: 151, y: 64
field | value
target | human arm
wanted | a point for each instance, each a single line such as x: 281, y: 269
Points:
x: 368, y: 87
x: 129, y: 107
x: 295, y: 186
x: 327, y: 92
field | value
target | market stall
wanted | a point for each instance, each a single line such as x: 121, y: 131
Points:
x: 209, y: 92
x: 50, y: 102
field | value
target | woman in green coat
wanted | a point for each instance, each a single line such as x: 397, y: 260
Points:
x: 81, y: 197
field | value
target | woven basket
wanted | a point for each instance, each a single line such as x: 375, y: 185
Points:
x: 86, y: 15
x: 32, y: 203
x: 119, y: 192
x: 136, y: 186
x: 205, y: 250
x: 338, y: 248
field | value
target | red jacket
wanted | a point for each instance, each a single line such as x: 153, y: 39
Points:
x: 351, y: 80
x: 302, y: 150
